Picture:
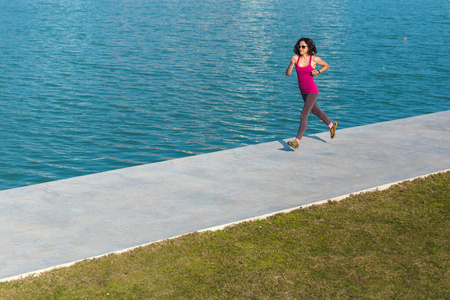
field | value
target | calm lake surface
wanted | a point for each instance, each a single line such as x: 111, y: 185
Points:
x: 90, y: 86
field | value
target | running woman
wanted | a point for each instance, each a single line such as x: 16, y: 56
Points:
x: 305, y: 62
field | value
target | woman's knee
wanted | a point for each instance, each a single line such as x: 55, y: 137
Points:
x: 304, y: 115
x: 317, y: 111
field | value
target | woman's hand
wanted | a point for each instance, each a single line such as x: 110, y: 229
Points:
x: 315, y: 72
x: 294, y: 59
x: 291, y: 65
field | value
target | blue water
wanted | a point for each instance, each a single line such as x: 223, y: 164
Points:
x: 90, y: 86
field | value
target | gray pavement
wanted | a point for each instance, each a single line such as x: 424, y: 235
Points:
x: 63, y: 221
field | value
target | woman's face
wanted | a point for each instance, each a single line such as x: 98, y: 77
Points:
x: 303, y: 47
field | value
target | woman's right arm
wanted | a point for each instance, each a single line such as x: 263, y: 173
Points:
x: 291, y: 65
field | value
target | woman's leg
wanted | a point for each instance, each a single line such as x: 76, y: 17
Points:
x: 310, y: 101
x: 318, y: 112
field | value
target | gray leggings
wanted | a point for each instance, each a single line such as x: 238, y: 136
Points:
x: 310, y: 106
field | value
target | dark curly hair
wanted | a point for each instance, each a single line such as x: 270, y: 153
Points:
x: 309, y: 42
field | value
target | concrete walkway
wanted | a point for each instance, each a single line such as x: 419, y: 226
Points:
x: 63, y: 221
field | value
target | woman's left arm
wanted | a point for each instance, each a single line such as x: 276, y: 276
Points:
x: 318, y: 61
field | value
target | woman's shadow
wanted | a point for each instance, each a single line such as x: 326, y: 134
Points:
x: 287, y: 148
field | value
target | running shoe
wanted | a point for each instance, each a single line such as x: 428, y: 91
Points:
x: 333, y: 130
x: 293, y: 144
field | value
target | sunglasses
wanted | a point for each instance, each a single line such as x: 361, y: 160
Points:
x: 302, y: 46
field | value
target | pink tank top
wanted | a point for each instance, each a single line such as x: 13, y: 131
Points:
x: 305, y: 79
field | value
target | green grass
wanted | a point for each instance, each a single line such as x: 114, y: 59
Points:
x: 391, y: 244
